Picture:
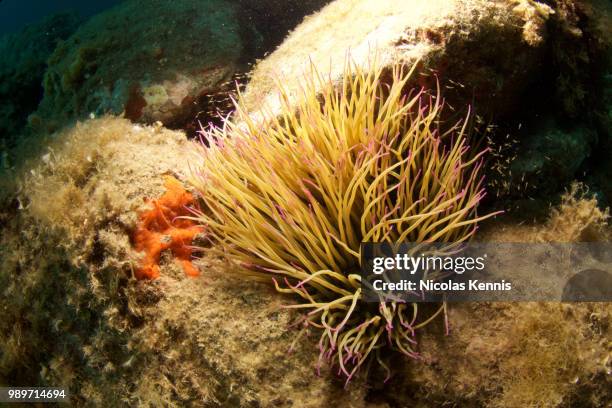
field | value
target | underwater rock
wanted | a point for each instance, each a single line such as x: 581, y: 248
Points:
x: 67, y: 273
x: 22, y: 66
x: 484, y: 52
x: 67, y: 270
x: 565, y: 109
x: 67, y: 256
x: 580, y: 44
x: 520, y: 354
x: 511, y: 62
x: 513, y: 355
x: 599, y: 179
x: 154, y: 61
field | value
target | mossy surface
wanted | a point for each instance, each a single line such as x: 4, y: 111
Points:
x: 74, y: 315
x: 66, y: 257
x: 520, y: 354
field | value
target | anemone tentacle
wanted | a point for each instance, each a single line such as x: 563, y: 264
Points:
x: 295, y: 195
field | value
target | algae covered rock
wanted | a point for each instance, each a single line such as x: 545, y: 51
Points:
x: 22, y: 66
x: 154, y: 61
x: 488, y: 50
x: 513, y: 355
x: 521, y: 354
x: 66, y: 253
x: 66, y: 272
x: 510, y: 62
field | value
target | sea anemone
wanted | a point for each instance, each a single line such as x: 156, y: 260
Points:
x: 290, y: 198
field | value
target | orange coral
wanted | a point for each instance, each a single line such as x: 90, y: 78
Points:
x: 160, y: 229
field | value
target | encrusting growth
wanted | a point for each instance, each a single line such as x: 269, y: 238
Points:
x: 292, y: 197
x: 163, y: 228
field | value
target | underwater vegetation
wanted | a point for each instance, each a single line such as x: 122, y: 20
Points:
x: 74, y: 313
x: 161, y: 228
x: 292, y: 198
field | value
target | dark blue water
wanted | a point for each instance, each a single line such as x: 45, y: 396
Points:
x: 14, y: 14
